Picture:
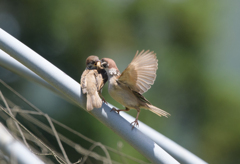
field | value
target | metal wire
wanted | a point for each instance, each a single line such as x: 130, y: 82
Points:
x: 70, y: 88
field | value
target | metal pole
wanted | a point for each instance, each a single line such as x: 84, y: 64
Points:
x: 13, y: 65
x: 177, y: 151
x: 170, y: 146
x: 15, y: 149
x: 71, y: 89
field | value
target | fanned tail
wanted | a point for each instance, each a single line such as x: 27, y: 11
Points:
x: 158, y: 111
x: 93, y: 101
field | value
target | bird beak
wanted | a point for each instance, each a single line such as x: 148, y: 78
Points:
x: 99, y: 64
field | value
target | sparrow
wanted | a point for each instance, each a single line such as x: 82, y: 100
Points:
x: 92, y: 81
x: 127, y: 88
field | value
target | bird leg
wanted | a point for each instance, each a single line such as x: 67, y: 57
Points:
x: 118, y: 110
x: 103, y: 99
x: 135, y: 123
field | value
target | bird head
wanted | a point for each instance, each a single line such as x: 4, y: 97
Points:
x: 110, y: 66
x: 93, y: 62
x: 108, y: 63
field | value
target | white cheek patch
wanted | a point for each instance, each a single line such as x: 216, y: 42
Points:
x: 112, y: 71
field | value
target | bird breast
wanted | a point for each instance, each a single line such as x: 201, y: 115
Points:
x: 122, y: 94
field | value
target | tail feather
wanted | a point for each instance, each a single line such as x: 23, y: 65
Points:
x: 158, y: 111
x: 93, y: 101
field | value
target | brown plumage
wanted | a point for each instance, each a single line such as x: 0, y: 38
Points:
x: 127, y: 88
x: 92, y: 82
x: 141, y: 72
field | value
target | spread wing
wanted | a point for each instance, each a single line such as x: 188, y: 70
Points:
x: 141, y: 72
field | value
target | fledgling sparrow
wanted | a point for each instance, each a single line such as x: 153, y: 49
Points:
x: 92, y: 81
x: 127, y: 88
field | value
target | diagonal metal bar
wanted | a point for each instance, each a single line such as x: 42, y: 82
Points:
x: 70, y: 88
x: 13, y: 65
x: 170, y: 146
x: 14, y: 148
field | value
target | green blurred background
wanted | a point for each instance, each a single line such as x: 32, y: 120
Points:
x: 197, y: 45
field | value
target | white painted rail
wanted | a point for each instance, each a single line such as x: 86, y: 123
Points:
x: 144, y: 139
x: 15, y: 149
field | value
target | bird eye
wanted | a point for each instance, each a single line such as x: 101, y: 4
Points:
x: 104, y: 63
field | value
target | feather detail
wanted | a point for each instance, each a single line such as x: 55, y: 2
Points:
x: 93, y: 101
x: 158, y: 111
x: 92, y: 82
x: 141, y: 72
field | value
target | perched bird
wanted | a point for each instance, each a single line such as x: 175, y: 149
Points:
x: 127, y: 88
x: 92, y: 82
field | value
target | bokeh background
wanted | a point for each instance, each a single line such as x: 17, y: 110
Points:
x: 197, y: 45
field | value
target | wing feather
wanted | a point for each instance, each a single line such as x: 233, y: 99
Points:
x: 83, y: 81
x: 141, y: 72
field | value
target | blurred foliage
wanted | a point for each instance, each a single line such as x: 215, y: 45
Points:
x: 191, y: 39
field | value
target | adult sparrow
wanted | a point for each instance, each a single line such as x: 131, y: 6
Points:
x: 92, y: 82
x: 127, y: 88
